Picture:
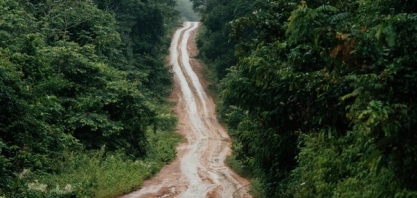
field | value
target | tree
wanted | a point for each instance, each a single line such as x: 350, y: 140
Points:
x: 79, y: 76
x: 317, y: 102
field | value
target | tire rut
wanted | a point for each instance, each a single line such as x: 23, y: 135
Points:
x: 199, y: 170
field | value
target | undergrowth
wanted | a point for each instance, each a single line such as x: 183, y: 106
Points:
x: 100, y: 174
x: 256, y: 189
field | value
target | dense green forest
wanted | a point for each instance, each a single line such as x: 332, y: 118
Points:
x: 319, y: 96
x: 82, y: 92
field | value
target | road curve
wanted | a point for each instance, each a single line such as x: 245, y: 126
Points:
x: 199, y: 170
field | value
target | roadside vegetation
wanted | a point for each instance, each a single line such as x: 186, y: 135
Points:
x: 82, y: 91
x: 319, y: 96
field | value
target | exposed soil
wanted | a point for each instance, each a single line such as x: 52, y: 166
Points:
x: 199, y: 169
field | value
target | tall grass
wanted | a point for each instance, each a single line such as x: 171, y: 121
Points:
x: 100, y: 174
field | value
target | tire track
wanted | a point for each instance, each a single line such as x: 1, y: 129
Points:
x: 199, y: 171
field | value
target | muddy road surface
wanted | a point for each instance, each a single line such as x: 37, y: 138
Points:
x: 199, y: 171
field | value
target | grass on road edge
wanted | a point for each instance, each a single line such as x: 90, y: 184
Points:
x: 96, y: 174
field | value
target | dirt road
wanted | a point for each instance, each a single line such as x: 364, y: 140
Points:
x: 199, y: 170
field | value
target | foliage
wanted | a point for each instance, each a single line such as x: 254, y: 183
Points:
x: 319, y: 99
x: 99, y: 173
x: 77, y: 77
x: 213, y: 43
